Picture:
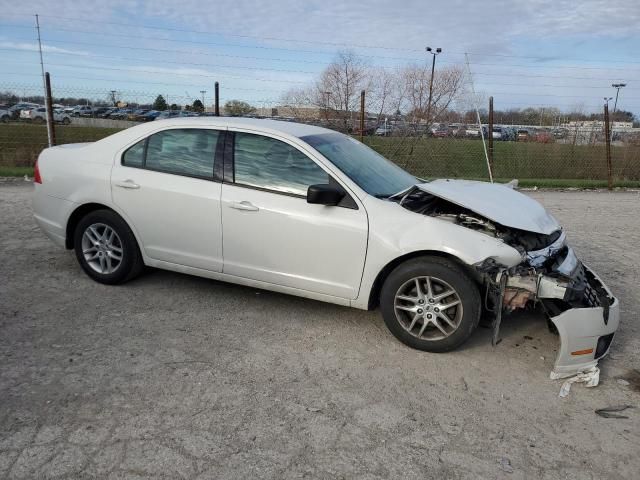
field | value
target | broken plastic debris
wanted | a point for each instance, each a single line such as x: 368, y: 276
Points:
x: 590, y: 378
x: 505, y: 464
x: 608, y: 411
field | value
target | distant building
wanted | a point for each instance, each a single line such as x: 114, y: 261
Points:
x: 599, y: 124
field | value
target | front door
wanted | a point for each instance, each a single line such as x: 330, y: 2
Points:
x: 273, y: 235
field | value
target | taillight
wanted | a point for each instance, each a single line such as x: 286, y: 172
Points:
x: 36, y: 174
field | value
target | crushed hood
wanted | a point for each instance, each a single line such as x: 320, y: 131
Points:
x: 496, y: 202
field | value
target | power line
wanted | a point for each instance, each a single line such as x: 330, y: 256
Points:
x: 289, y: 50
x: 217, y: 65
x: 333, y: 44
x: 254, y: 68
x: 191, y: 74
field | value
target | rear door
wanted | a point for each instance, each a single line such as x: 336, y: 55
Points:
x: 165, y: 186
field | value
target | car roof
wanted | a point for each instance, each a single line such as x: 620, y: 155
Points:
x: 263, y: 124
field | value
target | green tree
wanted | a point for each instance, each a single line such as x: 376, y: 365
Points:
x: 174, y: 107
x: 197, y: 106
x: 238, y: 108
x: 160, y: 103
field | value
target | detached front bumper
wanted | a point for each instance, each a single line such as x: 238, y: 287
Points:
x: 585, y: 332
x: 580, y: 306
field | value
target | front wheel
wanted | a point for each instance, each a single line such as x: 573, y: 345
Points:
x: 431, y: 304
x: 106, y: 248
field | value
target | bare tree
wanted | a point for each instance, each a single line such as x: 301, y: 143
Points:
x: 340, y: 84
x: 448, y: 85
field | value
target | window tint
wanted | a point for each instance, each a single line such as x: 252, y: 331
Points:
x: 183, y: 151
x: 134, y: 157
x: 268, y: 163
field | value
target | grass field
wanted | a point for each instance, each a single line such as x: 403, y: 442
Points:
x: 545, y: 165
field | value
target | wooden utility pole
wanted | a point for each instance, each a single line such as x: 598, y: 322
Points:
x: 217, y: 97
x: 51, y: 131
x: 362, y: 116
x: 490, y: 135
x: 607, y: 138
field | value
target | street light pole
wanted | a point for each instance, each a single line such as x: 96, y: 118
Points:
x: 433, y: 69
x: 617, y: 86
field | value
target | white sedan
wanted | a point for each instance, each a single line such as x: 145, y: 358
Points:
x: 39, y: 115
x: 310, y: 212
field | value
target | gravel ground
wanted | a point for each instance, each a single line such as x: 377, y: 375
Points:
x: 174, y: 376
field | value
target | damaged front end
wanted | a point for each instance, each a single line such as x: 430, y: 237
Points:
x: 578, y: 304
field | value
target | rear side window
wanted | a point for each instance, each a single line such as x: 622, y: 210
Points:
x: 134, y: 157
x: 187, y: 151
x: 274, y: 165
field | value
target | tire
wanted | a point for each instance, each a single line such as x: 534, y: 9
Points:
x: 38, y: 120
x: 5, y: 119
x: 98, y: 257
x: 405, y: 317
x: 66, y: 121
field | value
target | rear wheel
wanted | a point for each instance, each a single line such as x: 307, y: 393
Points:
x: 38, y: 120
x: 66, y: 120
x: 431, y: 304
x: 106, y: 248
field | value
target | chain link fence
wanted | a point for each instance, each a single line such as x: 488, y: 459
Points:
x: 559, y: 155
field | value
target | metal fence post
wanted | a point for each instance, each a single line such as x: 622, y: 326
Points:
x: 490, y: 136
x: 217, y: 97
x: 51, y: 130
x: 362, y: 116
x: 607, y: 139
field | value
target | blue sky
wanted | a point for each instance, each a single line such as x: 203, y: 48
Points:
x: 534, y: 53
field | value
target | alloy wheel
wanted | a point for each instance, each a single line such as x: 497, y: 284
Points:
x: 428, y: 308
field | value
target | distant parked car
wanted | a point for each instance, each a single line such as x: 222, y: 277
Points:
x: 107, y: 113
x: 544, y: 136
x: 100, y: 111
x: 440, y: 131
x: 18, y: 107
x: 83, y: 111
x: 497, y: 133
x: 560, y: 133
x: 5, y: 116
x: 137, y: 115
x: 472, y: 131
x: 120, y: 114
x: 151, y: 115
x: 68, y: 110
x: 39, y: 115
x: 524, y: 135
x: 458, y: 130
x: 384, y: 130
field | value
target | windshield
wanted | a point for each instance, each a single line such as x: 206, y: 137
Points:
x: 369, y: 170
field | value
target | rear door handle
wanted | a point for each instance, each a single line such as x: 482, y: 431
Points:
x: 244, y: 205
x: 127, y: 184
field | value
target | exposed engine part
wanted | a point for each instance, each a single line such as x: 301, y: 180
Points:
x: 515, y: 298
x: 425, y: 203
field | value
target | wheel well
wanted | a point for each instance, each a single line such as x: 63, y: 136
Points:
x: 374, y: 295
x: 75, y: 218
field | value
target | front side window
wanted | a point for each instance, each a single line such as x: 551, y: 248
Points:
x: 268, y: 163
x: 369, y: 170
x: 187, y: 151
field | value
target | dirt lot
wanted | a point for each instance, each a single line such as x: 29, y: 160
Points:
x: 173, y: 376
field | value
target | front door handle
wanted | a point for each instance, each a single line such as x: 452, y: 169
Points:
x: 244, y: 205
x: 127, y: 184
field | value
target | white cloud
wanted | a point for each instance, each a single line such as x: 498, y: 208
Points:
x: 33, y: 47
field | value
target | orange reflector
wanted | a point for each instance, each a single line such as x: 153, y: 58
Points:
x: 583, y: 352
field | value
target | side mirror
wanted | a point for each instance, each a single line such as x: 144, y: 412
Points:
x: 324, y: 194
